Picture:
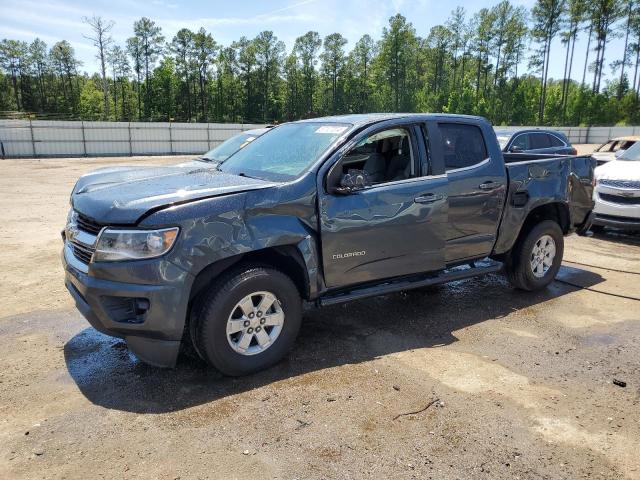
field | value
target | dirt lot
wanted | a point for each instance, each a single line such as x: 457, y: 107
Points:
x: 521, y: 383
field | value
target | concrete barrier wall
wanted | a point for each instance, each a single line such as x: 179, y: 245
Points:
x: 46, y: 138
x: 50, y: 138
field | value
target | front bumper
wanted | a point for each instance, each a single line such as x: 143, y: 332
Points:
x: 615, y: 213
x: 147, y: 309
x: 624, y: 223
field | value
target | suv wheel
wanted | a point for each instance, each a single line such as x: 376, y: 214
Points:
x: 537, y: 256
x: 248, y: 320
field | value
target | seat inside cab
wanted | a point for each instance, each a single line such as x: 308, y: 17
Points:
x: 384, y: 157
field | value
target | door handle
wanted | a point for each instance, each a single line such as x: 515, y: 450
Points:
x: 489, y: 185
x: 428, y: 198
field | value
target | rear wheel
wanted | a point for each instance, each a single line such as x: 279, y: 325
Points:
x: 248, y: 320
x: 537, y: 256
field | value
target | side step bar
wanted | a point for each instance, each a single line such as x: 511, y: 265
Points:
x: 408, y: 284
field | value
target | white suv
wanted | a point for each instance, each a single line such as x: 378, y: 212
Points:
x: 617, y: 192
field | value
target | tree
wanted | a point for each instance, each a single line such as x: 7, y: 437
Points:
x: 269, y: 56
x: 604, y: 13
x: 150, y: 43
x: 483, y: 28
x: 576, y: 11
x: 120, y: 68
x: 91, y: 104
x: 470, y: 64
x: 12, y: 59
x: 362, y: 55
x: 398, y: 40
x: 65, y: 65
x: 205, y: 49
x: 631, y: 11
x: 292, y: 78
x: 245, y: 52
x: 634, y: 48
x: 39, y: 62
x: 183, y: 48
x: 438, y: 41
x: 459, y: 38
x: 134, y: 48
x: 548, y: 16
x: 306, y: 50
x: 333, y: 60
x: 102, y: 40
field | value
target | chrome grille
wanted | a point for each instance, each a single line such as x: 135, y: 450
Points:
x: 81, y: 235
x: 620, y: 183
x: 82, y: 252
x: 88, y: 225
x: 620, y: 199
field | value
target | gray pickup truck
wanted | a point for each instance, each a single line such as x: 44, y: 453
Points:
x: 221, y: 258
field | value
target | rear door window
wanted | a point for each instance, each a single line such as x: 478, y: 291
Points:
x: 539, y: 141
x: 555, y: 141
x: 462, y: 145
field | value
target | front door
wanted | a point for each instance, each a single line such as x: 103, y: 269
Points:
x: 396, y: 224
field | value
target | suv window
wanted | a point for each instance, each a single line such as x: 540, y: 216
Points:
x: 462, y: 145
x: 555, y: 141
x: 385, y: 156
x: 619, y: 145
x: 539, y: 140
x: 607, y: 147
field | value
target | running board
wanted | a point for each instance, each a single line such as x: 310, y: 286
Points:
x: 407, y: 284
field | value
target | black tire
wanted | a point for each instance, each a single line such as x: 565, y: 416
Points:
x: 518, y: 263
x: 217, y: 304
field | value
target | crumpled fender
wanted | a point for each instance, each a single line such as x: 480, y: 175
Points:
x: 217, y: 229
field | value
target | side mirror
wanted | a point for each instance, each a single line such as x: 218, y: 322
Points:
x: 619, y: 153
x: 515, y: 149
x: 352, y: 181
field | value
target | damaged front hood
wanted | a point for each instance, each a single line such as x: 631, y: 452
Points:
x: 121, y: 195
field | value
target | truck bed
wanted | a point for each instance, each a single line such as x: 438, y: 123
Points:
x: 535, y: 180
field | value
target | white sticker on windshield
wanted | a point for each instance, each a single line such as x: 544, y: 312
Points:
x: 332, y: 129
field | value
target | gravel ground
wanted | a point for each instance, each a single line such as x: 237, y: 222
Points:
x: 467, y: 380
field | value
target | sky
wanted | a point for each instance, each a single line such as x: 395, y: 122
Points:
x: 54, y: 20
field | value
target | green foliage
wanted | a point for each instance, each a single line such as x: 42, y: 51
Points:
x: 473, y: 64
x: 91, y: 106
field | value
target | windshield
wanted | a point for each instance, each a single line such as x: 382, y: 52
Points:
x: 286, y: 152
x: 229, y: 147
x: 503, y: 140
x: 632, y: 153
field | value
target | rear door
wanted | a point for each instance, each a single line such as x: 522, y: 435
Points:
x: 393, y: 227
x: 476, y: 186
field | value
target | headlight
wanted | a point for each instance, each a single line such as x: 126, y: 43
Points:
x: 133, y: 244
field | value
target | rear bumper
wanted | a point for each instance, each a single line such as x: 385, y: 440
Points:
x: 150, y: 318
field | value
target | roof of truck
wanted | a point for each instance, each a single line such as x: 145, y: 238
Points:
x: 364, y: 118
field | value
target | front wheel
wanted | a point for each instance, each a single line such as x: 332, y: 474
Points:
x: 248, y: 320
x: 537, y: 256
